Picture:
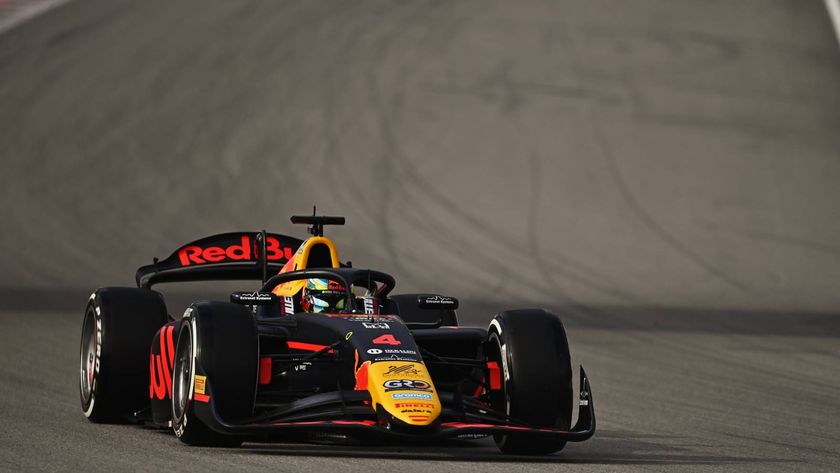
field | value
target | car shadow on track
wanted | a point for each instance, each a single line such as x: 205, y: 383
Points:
x: 607, y: 448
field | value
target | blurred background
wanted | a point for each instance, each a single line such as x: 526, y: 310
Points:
x: 652, y: 165
x: 657, y: 153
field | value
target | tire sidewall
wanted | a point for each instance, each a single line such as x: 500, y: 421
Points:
x: 188, y: 332
x: 94, y: 312
x: 124, y: 321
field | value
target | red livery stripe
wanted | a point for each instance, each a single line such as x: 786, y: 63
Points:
x: 306, y: 346
x: 495, y: 375
x: 265, y: 370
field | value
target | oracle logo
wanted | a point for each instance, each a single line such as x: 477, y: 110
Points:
x: 193, y: 254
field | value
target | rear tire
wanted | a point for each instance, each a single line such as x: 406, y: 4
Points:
x: 531, y: 348
x: 118, y: 327
x: 218, y: 339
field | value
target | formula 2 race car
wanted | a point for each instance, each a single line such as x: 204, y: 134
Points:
x: 381, y: 368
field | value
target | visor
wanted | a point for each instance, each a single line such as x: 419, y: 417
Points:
x: 328, y: 300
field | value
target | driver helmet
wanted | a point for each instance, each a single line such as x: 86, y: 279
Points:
x: 324, y: 295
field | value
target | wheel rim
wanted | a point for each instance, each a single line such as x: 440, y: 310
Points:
x: 183, y: 369
x: 87, y: 358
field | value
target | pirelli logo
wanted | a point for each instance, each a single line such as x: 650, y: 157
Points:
x: 200, y: 383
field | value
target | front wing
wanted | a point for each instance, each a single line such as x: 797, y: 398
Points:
x: 344, y: 412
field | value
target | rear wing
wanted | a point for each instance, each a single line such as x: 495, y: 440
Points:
x: 227, y: 256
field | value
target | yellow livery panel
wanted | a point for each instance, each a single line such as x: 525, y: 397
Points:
x: 301, y: 260
x: 405, y: 390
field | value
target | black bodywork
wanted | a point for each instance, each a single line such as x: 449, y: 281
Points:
x: 307, y: 363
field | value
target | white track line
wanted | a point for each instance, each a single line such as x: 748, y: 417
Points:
x: 14, y: 13
x: 833, y: 7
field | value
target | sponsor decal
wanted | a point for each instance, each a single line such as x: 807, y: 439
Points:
x: 93, y: 371
x: 406, y: 385
x: 423, y: 411
x: 412, y: 396
x: 395, y: 358
x: 414, y: 405
x: 200, y: 382
x: 401, y: 370
x: 369, y: 305
x: 348, y: 335
x: 161, y: 365
x: 374, y: 351
x: 584, y: 395
x: 252, y: 297
x: 400, y: 351
x: 196, y: 255
x: 376, y: 325
x: 368, y: 318
x: 438, y: 302
x: 288, y: 305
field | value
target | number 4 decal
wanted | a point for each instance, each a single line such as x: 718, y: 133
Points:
x: 386, y: 339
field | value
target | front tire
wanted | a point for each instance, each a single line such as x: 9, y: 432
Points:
x: 219, y: 341
x: 531, y: 348
x: 118, y: 327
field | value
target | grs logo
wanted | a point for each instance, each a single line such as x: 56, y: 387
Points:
x: 374, y: 351
x: 192, y: 254
x: 376, y: 325
x: 406, y: 385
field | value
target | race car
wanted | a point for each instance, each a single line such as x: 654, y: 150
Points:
x: 321, y: 350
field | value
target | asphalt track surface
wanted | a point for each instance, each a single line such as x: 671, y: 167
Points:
x: 661, y: 173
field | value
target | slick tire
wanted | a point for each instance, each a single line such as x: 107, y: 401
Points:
x: 217, y: 340
x: 118, y: 327
x: 531, y: 348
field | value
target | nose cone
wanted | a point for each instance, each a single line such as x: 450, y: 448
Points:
x: 405, y: 390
